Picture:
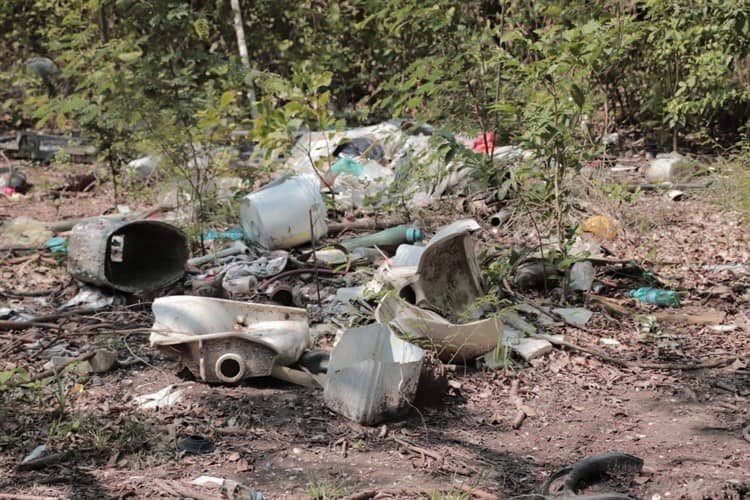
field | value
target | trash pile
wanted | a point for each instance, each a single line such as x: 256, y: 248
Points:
x: 286, y: 278
x: 371, y: 310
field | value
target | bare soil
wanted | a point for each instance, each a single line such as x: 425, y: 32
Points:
x: 687, y: 425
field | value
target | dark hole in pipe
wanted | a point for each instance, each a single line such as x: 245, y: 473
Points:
x: 230, y: 368
x: 407, y: 293
x: 495, y: 221
x: 154, y: 255
x: 283, y: 296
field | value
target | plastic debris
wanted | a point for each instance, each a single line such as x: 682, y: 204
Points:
x: 57, y: 245
x: 347, y: 166
x: 237, y: 248
x: 582, y: 276
x: 225, y: 340
x: 601, y: 227
x: 388, y: 237
x: 234, y: 234
x: 160, y: 399
x: 93, y: 298
x: 278, y: 215
x: 662, y: 168
x: 372, y: 375
x: 656, y: 296
x: 578, y: 316
x: 36, y: 453
x: 143, y: 168
x: 484, y: 143
x: 407, y: 256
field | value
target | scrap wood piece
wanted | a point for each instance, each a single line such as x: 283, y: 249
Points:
x: 638, y: 364
x: 67, y: 224
x: 617, y: 308
x: 522, y: 410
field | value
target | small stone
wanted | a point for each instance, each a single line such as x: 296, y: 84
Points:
x: 103, y: 361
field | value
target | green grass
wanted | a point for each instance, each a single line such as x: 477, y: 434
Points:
x: 326, y: 490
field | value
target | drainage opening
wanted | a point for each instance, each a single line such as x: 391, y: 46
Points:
x: 408, y: 294
x: 230, y: 368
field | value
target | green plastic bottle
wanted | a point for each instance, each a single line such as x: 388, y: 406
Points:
x: 389, y: 237
x: 657, y: 296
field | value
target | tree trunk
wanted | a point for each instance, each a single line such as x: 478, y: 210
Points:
x: 239, y: 30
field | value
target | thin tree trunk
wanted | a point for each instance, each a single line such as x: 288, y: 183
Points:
x: 239, y: 30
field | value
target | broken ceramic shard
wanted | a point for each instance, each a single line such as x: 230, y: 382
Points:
x: 453, y: 343
x: 447, y: 277
x: 227, y: 341
x: 372, y: 375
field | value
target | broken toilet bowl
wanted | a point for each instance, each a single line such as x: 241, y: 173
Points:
x: 227, y: 341
x: 453, y: 343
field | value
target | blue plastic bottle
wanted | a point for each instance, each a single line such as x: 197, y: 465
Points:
x: 656, y: 296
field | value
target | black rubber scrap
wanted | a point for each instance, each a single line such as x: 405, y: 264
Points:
x: 593, y: 469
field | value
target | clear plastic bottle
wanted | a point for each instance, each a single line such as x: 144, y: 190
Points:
x: 657, y: 296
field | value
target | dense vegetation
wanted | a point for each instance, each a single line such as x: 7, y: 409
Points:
x: 554, y: 74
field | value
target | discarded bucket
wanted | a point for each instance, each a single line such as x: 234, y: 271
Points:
x: 372, y: 375
x: 128, y: 256
x: 278, y: 216
x: 225, y: 340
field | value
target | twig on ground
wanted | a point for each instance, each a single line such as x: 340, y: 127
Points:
x: 22, y: 325
x: 522, y: 411
x: 637, y: 364
x: 138, y: 358
x: 17, y: 496
x: 179, y: 490
x: 419, y: 450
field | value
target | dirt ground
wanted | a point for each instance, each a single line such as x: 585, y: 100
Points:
x: 280, y: 439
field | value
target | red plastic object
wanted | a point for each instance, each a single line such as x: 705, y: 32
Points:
x: 481, y: 143
x: 8, y: 190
